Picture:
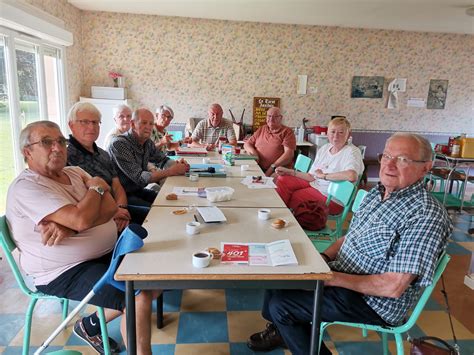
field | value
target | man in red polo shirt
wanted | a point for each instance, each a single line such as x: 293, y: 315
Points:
x: 274, y: 143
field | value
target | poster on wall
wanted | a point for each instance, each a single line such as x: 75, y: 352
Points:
x: 437, y: 94
x: 369, y: 87
x: 260, y: 107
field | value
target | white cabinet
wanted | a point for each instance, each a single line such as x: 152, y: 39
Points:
x: 106, y: 108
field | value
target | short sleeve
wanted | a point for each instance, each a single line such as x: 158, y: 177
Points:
x: 353, y: 161
x: 289, y: 140
x: 27, y: 195
x: 417, y: 251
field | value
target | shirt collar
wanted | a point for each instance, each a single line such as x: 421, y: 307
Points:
x: 402, y: 192
x: 80, y: 147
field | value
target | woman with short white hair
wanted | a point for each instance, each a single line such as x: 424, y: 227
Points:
x: 163, y: 117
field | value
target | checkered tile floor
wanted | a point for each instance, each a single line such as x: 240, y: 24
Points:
x: 207, y: 322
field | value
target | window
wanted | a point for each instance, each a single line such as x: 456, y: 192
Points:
x: 31, y: 89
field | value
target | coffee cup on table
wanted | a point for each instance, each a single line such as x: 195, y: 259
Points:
x: 206, y: 160
x: 264, y: 214
x: 194, y: 177
x: 244, y: 167
x: 201, y: 259
x: 192, y: 228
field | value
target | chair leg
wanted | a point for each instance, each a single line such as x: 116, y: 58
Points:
x: 322, y: 328
x: 103, y: 330
x: 65, y: 303
x: 159, y: 311
x: 27, y: 328
x: 364, y: 332
x: 399, y: 342
x: 385, y: 343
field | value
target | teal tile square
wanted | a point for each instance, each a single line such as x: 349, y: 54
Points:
x: 244, y: 299
x: 202, y: 327
x: 10, y: 325
x: 242, y: 349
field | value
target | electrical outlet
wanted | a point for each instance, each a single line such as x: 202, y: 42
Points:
x: 313, y: 90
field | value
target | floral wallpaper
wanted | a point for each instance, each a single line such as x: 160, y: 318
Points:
x: 74, y: 60
x: 191, y: 63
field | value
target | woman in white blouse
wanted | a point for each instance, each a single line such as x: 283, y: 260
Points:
x: 338, y: 160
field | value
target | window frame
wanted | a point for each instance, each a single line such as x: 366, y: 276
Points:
x: 10, y: 39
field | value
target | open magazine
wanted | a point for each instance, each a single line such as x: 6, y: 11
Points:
x: 276, y: 253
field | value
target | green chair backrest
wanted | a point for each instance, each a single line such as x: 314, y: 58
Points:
x: 177, y: 135
x: 8, y: 246
x: 341, y: 191
x: 358, y: 199
x: 398, y: 330
x: 303, y: 163
x: 420, y: 305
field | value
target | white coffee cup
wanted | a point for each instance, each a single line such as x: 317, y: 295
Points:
x: 264, y: 214
x: 244, y: 167
x: 194, y: 177
x: 201, y: 259
x: 206, y: 160
x: 192, y: 228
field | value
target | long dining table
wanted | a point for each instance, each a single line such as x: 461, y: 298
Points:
x: 165, y: 261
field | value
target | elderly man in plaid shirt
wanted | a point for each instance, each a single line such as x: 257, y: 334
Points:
x: 389, y: 253
x: 207, y: 132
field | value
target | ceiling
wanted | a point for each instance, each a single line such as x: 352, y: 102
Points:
x: 448, y: 16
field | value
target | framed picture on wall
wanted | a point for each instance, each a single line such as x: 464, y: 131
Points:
x: 369, y: 87
x: 437, y: 94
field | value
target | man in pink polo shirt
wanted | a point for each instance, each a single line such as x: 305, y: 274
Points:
x: 274, y: 143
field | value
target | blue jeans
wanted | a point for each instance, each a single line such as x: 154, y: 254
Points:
x: 143, y: 197
x: 138, y: 213
x: 292, y: 311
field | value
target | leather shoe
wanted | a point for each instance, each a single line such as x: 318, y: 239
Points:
x: 266, y: 340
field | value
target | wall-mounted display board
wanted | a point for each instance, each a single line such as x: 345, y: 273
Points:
x: 260, y: 107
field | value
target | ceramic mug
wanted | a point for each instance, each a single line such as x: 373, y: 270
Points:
x: 201, y: 259
x: 264, y: 214
x: 206, y: 160
x: 192, y: 228
x: 194, y: 177
x: 244, y: 167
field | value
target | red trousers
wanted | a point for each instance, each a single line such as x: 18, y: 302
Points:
x: 294, y: 190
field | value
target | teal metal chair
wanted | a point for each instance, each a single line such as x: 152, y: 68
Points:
x: 344, y: 192
x: 303, y: 163
x: 8, y: 246
x: 410, y: 322
x: 177, y: 135
x: 358, y: 199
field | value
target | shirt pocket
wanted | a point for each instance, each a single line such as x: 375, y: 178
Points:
x: 378, y: 240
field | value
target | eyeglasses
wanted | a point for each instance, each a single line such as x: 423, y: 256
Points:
x: 48, y: 142
x: 273, y: 116
x: 88, y: 122
x: 401, y: 162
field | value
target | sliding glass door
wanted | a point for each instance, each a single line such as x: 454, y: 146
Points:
x: 31, y: 89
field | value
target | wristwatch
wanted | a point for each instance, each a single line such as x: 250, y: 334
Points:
x: 97, y: 189
x: 273, y: 166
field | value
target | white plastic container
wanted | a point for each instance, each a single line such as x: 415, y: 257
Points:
x: 218, y: 194
x: 105, y: 92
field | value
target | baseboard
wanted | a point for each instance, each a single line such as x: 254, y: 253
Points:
x: 469, y: 281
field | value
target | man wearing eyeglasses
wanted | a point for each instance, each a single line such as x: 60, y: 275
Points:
x: 131, y: 154
x: 84, y: 121
x: 379, y: 268
x: 61, y: 219
x: 274, y: 143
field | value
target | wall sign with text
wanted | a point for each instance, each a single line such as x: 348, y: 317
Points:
x: 260, y: 107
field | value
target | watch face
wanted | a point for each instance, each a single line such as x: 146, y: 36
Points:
x: 100, y: 190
